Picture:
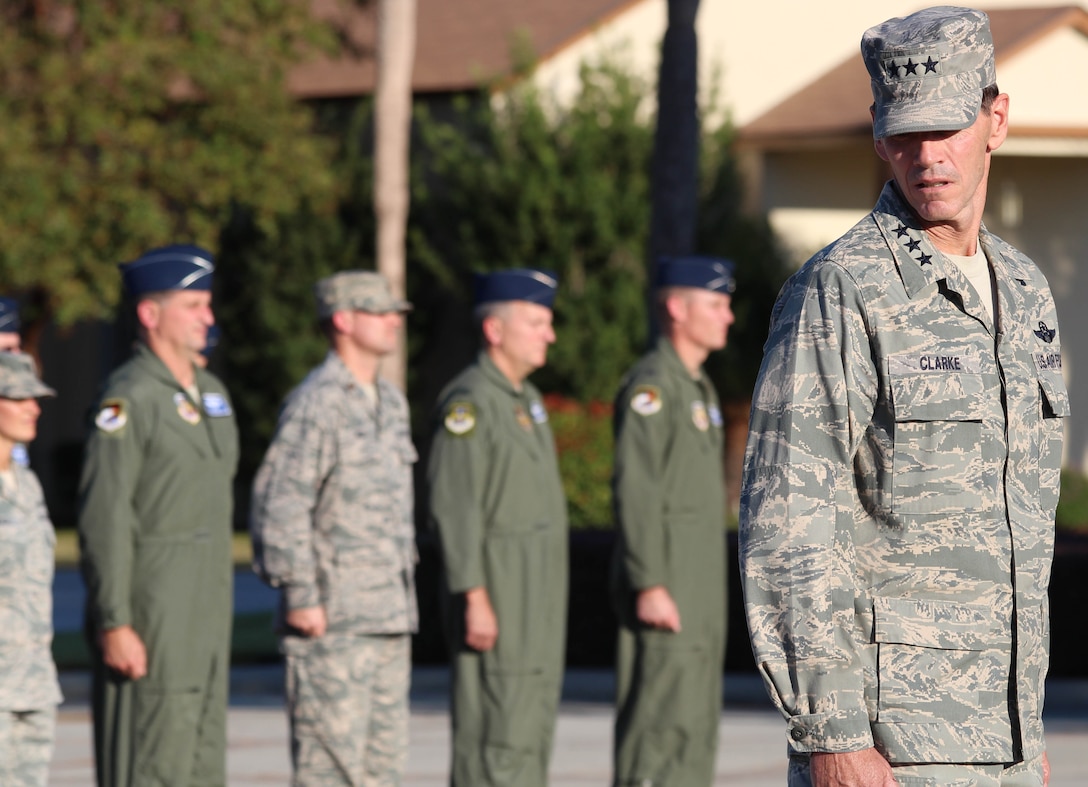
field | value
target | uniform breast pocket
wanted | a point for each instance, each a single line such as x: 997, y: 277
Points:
x: 937, y: 454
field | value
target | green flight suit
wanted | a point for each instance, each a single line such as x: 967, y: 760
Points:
x: 497, y: 502
x: 155, y: 532
x: 669, y: 497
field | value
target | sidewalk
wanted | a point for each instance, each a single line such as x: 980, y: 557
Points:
x: 751, y: 738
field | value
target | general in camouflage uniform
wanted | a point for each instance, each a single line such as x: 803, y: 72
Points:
x: 669, y: 572
x: 497, y: 502
x: 29, y: 692
x: 155, y: 514
x: 332, y: 525
x: 901, y: 476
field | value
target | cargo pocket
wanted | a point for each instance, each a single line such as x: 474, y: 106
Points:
x: 938, y: 659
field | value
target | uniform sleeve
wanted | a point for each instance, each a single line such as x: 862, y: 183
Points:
x: 456, y: 474
x: 107, y: 517
x: 642, y: 435
x: 813, y: 401
x: 285, y: 495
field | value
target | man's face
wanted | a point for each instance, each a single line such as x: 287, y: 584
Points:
x: 19, y: 420
x: 520, y: 332
x: 180, y: 319
x: 943, y: 174
x: 373, y: 333
x: 702, y: 317
x: 9, y: 342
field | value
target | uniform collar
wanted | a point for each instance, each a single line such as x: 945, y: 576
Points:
x: 495, y: 376
x: 671, y: 359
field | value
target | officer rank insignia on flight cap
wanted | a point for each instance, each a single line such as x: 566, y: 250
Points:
x: 9, y: 315
x: 460, y: 418
x: 646, y: 400
x: 178, y: 267
x: 515, y: 284
x: 112, y: 416
x: 704, y: 273
x: 186, y: 409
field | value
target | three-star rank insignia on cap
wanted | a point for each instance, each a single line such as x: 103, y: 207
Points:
x: 699, y: 415
x: 646, y: 400
x: 186, y: 409
x: 460, y: 418
x: 523, y: 419
x: 112, y: 416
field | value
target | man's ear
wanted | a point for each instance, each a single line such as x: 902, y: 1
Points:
x: 341, y: 320
x: 147, y: 312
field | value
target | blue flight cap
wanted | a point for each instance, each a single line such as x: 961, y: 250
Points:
x: 175, y: 267
x: 211, y: 340
x: 9, y: 315
x: 516, y: 284
x: 707, y: 273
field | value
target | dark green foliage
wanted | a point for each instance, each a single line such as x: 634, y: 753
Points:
x: 583, y: 439
x: 1073, y: 503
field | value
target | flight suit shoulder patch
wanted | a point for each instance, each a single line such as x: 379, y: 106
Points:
x: 460, y: 418
x: 112, y: 416
x: 646, y: 400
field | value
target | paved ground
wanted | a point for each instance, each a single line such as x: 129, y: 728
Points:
x: 751, y: 751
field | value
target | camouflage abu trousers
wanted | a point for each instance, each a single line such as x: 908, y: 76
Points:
x: 26, y: 746
x: 1023, y: 774
x: 347, y: 702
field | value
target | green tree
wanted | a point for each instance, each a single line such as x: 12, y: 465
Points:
x: 130, y: 124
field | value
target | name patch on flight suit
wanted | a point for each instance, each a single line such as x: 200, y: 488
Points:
x: 460, y: 418
x: 715, y: 416
x: 112, y: 417
x: 186, y: 410
x: 699, y: 415
x: 646, y: 400
x: 216, y: 405
x: 538, y: 413
x: 934, y: 363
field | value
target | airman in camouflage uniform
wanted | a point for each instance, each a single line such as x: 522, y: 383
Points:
x: 669, y: 575
x: 29, y: 692
x: 497, y: 502
x: 332, y: 525
x: 902, y: 467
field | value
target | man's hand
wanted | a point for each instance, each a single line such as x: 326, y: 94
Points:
x: 865, y: 768
x: 1046, y: 770
x: 481, y: 627
x: 124, y: 652
x: 307, y: 621
x: 655, y: 608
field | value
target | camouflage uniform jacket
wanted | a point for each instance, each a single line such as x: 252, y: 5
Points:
x: 28, y: 677
x: 331, y: 516
x: 897, y: 511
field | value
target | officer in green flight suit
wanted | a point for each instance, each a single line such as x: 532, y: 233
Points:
x: 669, y: 573
x: 155, y: 531
x: 498, y: 506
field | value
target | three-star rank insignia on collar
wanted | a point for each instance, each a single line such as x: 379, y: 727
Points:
x: 1046, y: 333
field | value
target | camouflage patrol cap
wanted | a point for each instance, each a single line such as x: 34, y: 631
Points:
x: 19, y: 378
x: 363, y: 291
x: 928, y: 70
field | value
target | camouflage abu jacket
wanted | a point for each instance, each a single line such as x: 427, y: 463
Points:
x: 897, y: 510
x: 332, y: 511
x: 28, y: 677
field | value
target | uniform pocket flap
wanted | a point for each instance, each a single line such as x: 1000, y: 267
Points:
x: 1055, y: 396
x: 937, y: 387
x: 934, y: 624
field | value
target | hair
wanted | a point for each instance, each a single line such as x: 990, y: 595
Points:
x: 989, y: 93
x: 485, y: 310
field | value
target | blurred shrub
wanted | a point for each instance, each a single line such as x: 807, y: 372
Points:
x: 1073, y: 503
x: 583, y: 438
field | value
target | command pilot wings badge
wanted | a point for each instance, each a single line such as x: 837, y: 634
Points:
x: 1045, y: 333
